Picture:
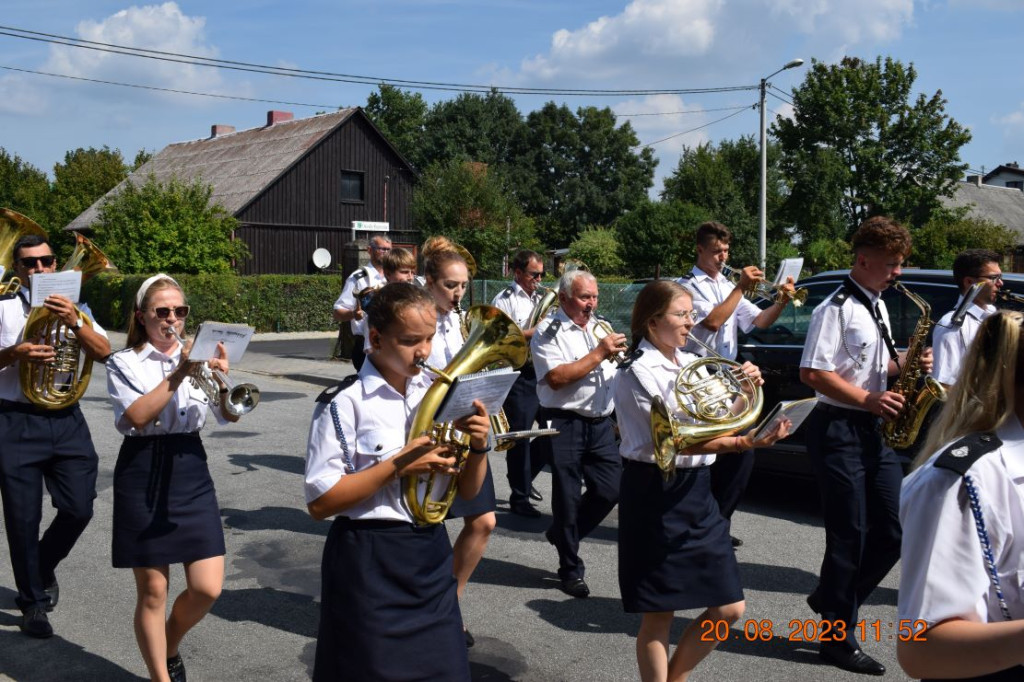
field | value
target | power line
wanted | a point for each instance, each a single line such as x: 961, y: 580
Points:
x: 693, y: 130
x: 193, y: 60
x: 782, y: 94
x: 781, y: 99
x: 171, y: 90
x: 691, y: 111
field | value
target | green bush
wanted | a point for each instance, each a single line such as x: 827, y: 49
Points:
x: 270, y: 303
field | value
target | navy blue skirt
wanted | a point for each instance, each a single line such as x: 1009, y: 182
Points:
x: 674, y: 547
x: 388, y: 606
x: 485, y: 500
x: 165, y: 506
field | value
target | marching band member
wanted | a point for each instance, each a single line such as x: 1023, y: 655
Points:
x: 524, y: 463
x: 722, y: 310
x: 674, y: 546
x: 165, y: 505
x: 346, y: 308
x: 40, y: 445
x: 949, y: 342
x: 398, y: 266
x: 446, y: 280
x: 389, y: 609
x: 574, y: 388
x: 962, y: 511
x: 848, y: 356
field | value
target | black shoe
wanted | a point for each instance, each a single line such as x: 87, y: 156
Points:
x: 535, y: 495
x: 176, y: 668
x: 576, y: 587
x: 814, y: 601
x: 736, y: 542
x: 470, y: 641
x: 549, y: 537
x: 854, y: 660
x: 524, y: 508
x: 35, y: 623
x: 53, y: 592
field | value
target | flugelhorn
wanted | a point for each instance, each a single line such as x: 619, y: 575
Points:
x: 603, y: 328
x: 764, y: 290
x: 241, y: 398
x: 717, y: 394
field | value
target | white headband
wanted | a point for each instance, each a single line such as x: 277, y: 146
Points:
x: 141, y: 296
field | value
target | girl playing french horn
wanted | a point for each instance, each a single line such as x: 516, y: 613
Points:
x: 674, y: 546
x: 388, y: 607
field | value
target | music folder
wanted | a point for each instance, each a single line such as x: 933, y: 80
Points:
x: 795, y: 411
x: 489, y: 387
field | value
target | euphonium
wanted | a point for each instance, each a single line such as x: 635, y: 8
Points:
x: 902, y: 431
x: 706, y: 390
x: 13, y: 226
x: 62, y: 382
x: 241, y: 398
x: 764, y: 290
x: 549, y: 297
x: 494, y: 338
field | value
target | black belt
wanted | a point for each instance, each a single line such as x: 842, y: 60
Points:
x: 31, y: 408
x: 845, y: 412
x: 627, y: 462
x: 373, y: 524
x: 556, y: 413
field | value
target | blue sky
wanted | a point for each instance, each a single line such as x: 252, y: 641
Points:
x: 966, y: 48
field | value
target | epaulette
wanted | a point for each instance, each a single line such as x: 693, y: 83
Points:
x: 552, y: 329
x: 687, y: 276
x: 331, y: 391
x: 961, y: 455
x: 360, y: 273
x: 507, y: 292
x: 7, y: 297
x: 840, y: 296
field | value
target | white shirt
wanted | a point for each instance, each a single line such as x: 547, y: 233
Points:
x: 374, y: 419
x: 852, y: 347
x: 708, y: 293
x: 592, y: 395
x: 14, y: 313
x: 943, y: 573
x: 949, y: 346
x: 362, y: 277
x: 447, y: 339
x: 516, y: 303
x: 650, y: 374
x: 132, y: 374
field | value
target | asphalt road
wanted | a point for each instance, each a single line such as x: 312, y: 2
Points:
x: 264, y: 625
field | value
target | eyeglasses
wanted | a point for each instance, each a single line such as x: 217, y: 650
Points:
x: 30, y: 261
x: 381, y: 249
x: 535, y: 275
x: 683, y: 314
x: 991, y: 278
x: 181, y: 312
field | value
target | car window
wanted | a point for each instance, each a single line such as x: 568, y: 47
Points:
x: 904, y: 314
x: 791, y: 327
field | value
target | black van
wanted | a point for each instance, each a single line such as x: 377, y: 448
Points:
x: 777, y: 350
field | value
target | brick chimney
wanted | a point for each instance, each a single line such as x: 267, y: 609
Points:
x: 278, y: 117
x: 218, y: 129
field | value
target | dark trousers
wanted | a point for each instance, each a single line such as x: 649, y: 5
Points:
x: 55, y: 448
x: 584, y: 450
x: 859, y: 480
x: 523, y: 461
x: 358, y: 356
x: 729, y: 477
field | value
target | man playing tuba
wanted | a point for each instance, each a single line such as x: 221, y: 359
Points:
x: 41, y: 444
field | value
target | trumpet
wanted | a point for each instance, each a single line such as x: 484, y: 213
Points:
x: 764, y: 290
x: 602, y: 329
x: 241, y: 398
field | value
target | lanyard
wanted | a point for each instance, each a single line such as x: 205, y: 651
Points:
x: 876, y: 315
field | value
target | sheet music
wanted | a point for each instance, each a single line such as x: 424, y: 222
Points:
x: 235, y: 338
x: 795, y: 411
x: 65, y: 283
x: 789, y: 267
x: 490, y: 388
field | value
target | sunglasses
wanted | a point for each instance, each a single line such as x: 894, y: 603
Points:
x: 181, y: 312
x: 30, y: 261
x: 535, y: 275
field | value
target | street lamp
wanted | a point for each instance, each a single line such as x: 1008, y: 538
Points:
x: 763, y: 233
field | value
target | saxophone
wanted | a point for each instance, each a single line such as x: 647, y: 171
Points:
x: 902, y: 431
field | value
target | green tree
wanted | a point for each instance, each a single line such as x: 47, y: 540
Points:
x: 400, y: 115
x: 170, y: 227
x: 599, y: 248
x: 937, y: 242
x: 141, y: 157
x: 881, y: 152
x: 85, y: 176
x: 466, y: 203
x: 23, y: 187
x: 472, y: 127
x: 657, y: 237
x: 578, y: 169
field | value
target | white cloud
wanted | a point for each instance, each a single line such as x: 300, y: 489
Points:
x: 20, y: 96
x: 850, y: 23
x: 154, y: 27
x: 1012, y: 123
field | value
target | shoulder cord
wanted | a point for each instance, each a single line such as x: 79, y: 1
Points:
x: 986, y: 545
x: 842, y: 335
x: 349, y: 469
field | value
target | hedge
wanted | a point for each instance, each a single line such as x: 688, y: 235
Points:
x: 270, y: 303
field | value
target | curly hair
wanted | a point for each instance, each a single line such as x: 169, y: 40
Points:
x: 884, y: 234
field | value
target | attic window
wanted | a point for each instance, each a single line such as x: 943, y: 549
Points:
x: 352, y: 187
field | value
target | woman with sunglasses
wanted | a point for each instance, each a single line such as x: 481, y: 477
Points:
x: 165, y: 505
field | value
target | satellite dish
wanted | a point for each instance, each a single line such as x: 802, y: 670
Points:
x: 322, y: 258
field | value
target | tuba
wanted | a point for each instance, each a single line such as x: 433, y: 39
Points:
x: 902, y: 431
x: 706, y: 390
x: 13, y: 226
x: 62, y: 382
x: 494, y: 338
x: 764, y: 290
